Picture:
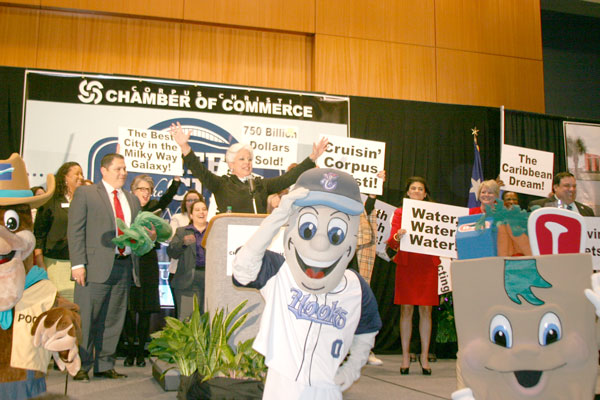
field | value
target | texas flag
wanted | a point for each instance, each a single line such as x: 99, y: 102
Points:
x: 476, y: 175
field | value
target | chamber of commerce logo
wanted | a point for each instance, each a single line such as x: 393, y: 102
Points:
x: 90, y: 92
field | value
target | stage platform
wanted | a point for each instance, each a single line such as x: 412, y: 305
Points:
x: 377, y: 382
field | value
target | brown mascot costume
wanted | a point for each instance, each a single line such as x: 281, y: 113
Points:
x: 35, y: 324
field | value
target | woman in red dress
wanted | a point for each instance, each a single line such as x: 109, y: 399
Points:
x: 416, y: 282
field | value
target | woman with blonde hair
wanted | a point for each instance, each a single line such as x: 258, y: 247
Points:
x: 488, y: 193
x: 144, y: 300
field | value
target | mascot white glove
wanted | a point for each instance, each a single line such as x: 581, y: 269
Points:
x: 248, y: 259
x: 359, y: 354
x: 593, y: 294
x: 58, y: 333
x: 463, y: 394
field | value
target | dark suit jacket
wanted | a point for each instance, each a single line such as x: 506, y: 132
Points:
x: 584, y: 210
x: 186, y: 256
x: 230, y: 191
x: 91, y: 229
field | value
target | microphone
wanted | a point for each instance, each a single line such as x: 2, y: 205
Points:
x: 252, y: 191
x: 251, y: 182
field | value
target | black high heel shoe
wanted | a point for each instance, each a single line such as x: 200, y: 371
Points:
x: 426, y: 371
x: 404, y: 371
x: 140, y: 362
x: 128, y: 361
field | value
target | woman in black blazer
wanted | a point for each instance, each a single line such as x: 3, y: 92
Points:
x: 145, y: 300
x: 186, y: 247
x: 50, y: 229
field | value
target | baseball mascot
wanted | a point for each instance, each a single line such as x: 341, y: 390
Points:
x: 32, y: 325
x: 316, y: 310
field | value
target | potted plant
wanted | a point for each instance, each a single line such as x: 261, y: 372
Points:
x: 446, y: 332
x: 209, y: 365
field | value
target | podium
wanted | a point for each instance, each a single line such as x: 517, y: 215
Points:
x: 219, y: 291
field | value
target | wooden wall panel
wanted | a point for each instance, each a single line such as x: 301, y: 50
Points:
x: 483, y: 52
x: 504, y: 27
x: 490, y: 80
x: 400, y: 21
x: 24, y: 2
x: 108, y: 44
x: 151, y: 8
x: 246, y: 57
x: 287, y: 15
x: 374, y: 68
x: 18, y: 36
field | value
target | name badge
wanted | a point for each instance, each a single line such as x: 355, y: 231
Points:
x: 64, y: 205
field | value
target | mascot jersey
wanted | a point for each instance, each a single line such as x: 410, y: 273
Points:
x: 303, y: 336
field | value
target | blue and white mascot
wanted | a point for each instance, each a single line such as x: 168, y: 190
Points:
x: 316, y: 310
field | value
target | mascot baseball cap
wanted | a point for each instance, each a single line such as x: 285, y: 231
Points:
x: 332, y: 188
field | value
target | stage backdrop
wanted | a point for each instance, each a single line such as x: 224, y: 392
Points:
x: 73, y: 117
x: 429, y: 139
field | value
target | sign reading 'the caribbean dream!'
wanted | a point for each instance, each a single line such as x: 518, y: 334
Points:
x: 526, y: 170
x: 430, y: 227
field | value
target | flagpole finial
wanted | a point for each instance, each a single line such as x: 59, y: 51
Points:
x: 475, y: 132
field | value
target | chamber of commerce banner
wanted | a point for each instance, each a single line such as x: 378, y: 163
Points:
x: 74, y: 117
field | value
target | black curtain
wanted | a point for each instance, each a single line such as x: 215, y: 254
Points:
x: 11, y: 110
x: 431, y: 140
x: 536, y: 131
x: 428, y: 139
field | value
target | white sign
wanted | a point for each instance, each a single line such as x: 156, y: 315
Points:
x: 237, y: 235
x: 526, y: 170
x: 444, y: 280
x: 150, y: 151
x: 430, y: 227
x: 275, y: 147
x: 383, y: 225
x: 592, y: 243
x: 362, y: 159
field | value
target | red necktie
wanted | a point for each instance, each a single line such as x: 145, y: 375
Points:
x: 119, y: 213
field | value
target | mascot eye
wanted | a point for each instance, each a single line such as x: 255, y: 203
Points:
x: 501, y: 331
x: 550, y: 329
x: 11, y: 220
x: 307, y: 226
x: 336, y: 231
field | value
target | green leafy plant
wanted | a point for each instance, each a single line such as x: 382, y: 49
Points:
x: 201, y: 344
x: 446, y: 331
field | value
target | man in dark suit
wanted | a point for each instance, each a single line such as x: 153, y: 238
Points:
x: 102, y: 272
x: 564, y: 186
